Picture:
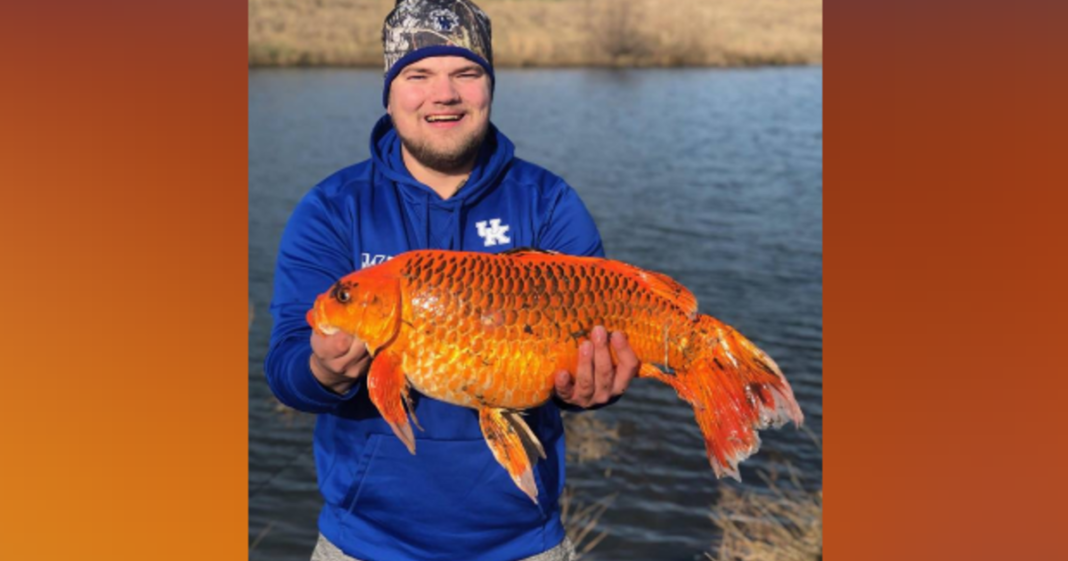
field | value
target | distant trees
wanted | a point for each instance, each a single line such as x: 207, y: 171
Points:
x: 615, y: 30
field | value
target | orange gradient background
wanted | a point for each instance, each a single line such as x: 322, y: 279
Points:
x: 124, y: 235
x: 945, y: 276
x: 123, y: 161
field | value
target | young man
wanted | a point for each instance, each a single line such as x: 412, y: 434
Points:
x: 441, y: 176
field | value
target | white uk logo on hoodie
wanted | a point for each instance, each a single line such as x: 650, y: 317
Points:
x: 493, y: 234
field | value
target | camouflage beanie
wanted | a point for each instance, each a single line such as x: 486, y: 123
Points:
x: 417, y: 29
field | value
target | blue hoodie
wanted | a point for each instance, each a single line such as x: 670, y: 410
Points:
x: 451, y: 500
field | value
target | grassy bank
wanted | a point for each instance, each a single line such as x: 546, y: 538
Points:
x: 781, y: 522
x: 557, y: 33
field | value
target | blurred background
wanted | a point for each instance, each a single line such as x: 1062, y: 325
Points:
x: 557, y: 32
x: 694, y: 133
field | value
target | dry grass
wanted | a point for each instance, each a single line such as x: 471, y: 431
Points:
x: 580, y: 520
x: 781, y: 523
x: 588, y: 438
x: 259, y: 537
x: 557, y: 33
x: 291, y: 417
x: 316, y: 32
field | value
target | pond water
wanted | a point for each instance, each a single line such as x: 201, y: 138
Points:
x: 714, y: 177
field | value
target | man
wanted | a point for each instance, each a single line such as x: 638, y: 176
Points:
x: 441, y: 176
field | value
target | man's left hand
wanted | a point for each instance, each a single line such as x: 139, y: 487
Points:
x: 597, y: 381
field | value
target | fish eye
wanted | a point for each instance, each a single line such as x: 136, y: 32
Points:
x: 340, y: 293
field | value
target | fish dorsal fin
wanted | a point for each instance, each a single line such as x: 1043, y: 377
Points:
x: 521, y: 251
x: 659, y: 283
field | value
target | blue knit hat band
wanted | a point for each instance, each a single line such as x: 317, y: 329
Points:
x: 426, y: 52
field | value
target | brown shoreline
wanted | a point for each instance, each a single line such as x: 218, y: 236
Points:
x: 557, y: 33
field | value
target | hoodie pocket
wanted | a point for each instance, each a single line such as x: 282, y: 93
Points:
x: 448, y: 492
x: 359, y: 472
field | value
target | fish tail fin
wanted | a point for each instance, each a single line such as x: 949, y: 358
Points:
x: 507, y: 436
x: 735, y: 389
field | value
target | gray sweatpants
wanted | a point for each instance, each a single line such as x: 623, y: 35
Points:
x: 326, y: 551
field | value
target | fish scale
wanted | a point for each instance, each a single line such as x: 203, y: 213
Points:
x: 513, y: 373
x: 489, y: 332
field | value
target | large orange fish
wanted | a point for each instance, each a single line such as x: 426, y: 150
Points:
x: 490, y: 331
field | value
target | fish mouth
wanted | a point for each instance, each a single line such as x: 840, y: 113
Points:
x: 326, y: 329
x: 317, y: 319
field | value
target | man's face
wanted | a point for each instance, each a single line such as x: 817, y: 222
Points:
x: 441, y: 109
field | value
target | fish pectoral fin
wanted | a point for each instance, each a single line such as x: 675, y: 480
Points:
x: 388, y: 387
x: 506, y: 443
x: 411, y: 407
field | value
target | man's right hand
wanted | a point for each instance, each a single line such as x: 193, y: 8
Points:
x: 338, y: 360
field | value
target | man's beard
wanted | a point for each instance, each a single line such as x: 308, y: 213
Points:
x: 446, y: 160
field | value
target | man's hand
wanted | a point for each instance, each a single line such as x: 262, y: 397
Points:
x: 596, y: 380
x: 338, y: 360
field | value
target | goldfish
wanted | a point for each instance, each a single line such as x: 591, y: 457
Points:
x: 489, y: 332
